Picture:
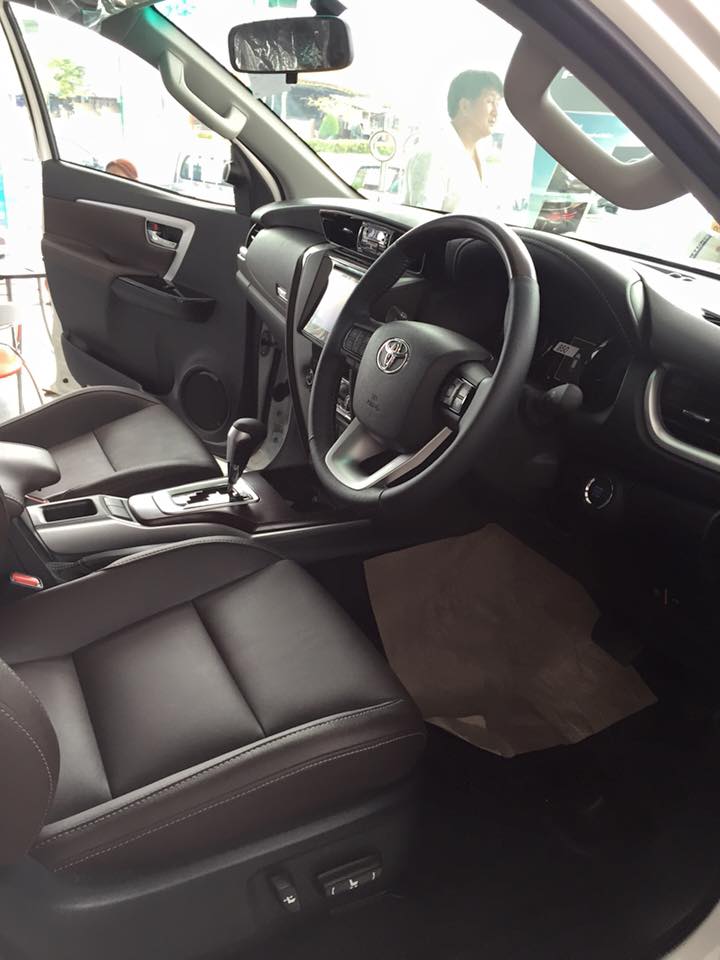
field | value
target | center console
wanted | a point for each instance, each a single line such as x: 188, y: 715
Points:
x: 280, y: 511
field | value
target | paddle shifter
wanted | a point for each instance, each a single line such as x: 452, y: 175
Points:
x: 244, y: 437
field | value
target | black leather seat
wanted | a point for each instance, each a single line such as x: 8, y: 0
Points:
x: 184, y: 702
x: 112, y: 440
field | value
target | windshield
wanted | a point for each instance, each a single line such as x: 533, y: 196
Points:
x: 419, y: 118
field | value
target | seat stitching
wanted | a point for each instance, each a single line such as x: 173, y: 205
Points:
x: 240, y: 754
x: 79, y: 395
x: 9, y: 670
x: 191, y: 543
x: 37, y: 746
x: 90, y: 721
x: 236, y: 796
x: 224, y: 662
x: 67, y: 401
x: 102, y: 448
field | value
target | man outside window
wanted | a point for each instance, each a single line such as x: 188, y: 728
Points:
x: 448, y: 174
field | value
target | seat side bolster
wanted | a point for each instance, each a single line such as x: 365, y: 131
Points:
x: 243, y: 796
x: 29, y: 758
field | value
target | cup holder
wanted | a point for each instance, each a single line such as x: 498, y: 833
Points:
x: 68, y: 510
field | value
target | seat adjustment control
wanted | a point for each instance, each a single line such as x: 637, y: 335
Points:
x: 350, y: 877
x: 286, y: 893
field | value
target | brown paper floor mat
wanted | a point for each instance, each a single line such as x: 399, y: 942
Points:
x: 494, y: 643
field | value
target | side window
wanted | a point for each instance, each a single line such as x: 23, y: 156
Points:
x: 20, y: 175
x: 110, y: 111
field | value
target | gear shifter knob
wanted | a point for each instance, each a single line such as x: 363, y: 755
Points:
x: 244, y: 437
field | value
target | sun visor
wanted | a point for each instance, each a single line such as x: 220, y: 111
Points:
x: 643, y: 183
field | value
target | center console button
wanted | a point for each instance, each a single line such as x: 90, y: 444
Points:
x: 117, y: 508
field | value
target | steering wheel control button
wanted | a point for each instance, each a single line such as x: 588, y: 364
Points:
x: 455, y: 394
x: 350, y: 877
x: 599, y: 492
x: 351, y: 339
x: 461, y: 396
x: 448, y: 394
x: 286, y: 893
x: 356, y: 339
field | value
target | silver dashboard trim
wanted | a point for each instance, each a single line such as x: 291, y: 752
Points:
x: 356, y: 445
x: 165, y: 502
x: 661, y: 435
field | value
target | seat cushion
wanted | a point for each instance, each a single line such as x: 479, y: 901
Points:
x: 112, y: 440
x: 203, y: 695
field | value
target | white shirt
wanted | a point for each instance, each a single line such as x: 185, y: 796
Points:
x: 443, y: 175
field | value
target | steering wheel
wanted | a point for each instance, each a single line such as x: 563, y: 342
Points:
x: 425, y: 404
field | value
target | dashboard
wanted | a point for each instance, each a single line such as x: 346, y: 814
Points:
x: 639, y: 343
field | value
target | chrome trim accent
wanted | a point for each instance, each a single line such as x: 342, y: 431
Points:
x: 186, y: 226
x: 660, y: 434
x: 156, y: 240
x: 356, y: 445
x: 165, y: 502
x: 606, y: 502
x: 393, y: 355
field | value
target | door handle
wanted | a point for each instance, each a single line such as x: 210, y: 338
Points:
x: 162, y: 235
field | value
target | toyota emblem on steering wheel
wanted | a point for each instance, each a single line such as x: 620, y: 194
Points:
x: 393, y: 355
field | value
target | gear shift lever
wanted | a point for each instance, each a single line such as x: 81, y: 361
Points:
x: 244, y: 437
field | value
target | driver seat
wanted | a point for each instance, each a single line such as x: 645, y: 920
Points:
x: 184, y: 702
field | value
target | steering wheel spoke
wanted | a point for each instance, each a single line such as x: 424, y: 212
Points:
x: 360, y: 460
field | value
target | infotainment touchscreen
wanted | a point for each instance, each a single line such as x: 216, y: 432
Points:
x: 339, y: 287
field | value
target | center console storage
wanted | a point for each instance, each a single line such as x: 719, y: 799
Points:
x: 68, y: 510
x: 79, y: 528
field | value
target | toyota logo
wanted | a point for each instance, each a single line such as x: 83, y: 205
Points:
x: 393, y: 355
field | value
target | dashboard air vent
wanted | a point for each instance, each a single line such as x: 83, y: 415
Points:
x: 712, y: 315
x: 341, y: 229
x: 691, y: 411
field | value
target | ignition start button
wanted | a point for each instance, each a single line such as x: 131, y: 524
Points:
x: 599, y: 492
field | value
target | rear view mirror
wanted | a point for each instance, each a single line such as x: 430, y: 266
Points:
x: 291, y: 45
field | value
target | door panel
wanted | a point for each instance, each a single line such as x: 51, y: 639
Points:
x: 190, y: 350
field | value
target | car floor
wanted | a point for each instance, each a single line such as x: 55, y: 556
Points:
x: 604, y: 849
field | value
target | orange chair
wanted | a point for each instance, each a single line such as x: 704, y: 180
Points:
x: 12, y: 366
x: 12, y: 363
